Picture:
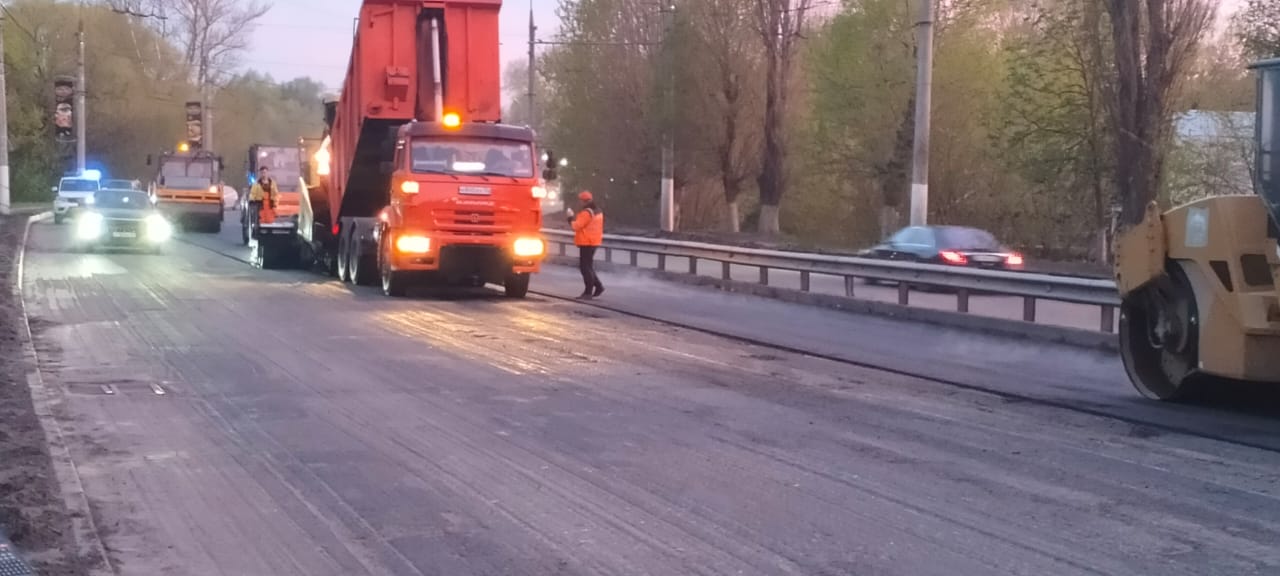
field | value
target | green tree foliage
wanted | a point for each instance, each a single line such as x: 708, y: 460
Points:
x: 1027, y: 112
x: 1258, y: 28
x: 137, y: 86
x: 254, y: 109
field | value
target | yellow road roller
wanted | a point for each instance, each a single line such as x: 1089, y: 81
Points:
x: 1198, y: 283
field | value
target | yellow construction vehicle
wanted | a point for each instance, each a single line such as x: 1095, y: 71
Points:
x: 1199, y: 283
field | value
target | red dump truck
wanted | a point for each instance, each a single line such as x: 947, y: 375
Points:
x: 417, y: 180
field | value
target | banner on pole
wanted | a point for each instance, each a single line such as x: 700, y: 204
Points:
x: 64, y: 119
x: 195, y: 124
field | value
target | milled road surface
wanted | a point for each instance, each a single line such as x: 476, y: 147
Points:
x: 227, y: 420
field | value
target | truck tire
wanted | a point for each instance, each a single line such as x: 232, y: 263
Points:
x: 517, y: 285
x: 363, y: 268
x: 394, y: 284
x: 214, y: 226
x: 344, y: 255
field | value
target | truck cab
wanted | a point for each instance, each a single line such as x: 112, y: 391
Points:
x: 465, y: 207
x: 187, y: 188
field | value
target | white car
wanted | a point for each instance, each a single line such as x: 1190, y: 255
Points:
x: 72, y: 194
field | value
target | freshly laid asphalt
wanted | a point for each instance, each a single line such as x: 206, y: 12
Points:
x: 229, y: 420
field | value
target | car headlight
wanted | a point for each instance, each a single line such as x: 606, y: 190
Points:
x: 89, y: 226
x: 539, y: 192
x: 413, y: 244
x: 158, y: 229
x: 526, y: 247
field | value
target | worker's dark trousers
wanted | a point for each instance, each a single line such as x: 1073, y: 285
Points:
x: 587, y: 264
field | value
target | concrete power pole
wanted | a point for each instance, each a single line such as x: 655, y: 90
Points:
x: 667, y: 212
x: 4, y: 129
x: 533, y: 30
x: 924, y: 96
x: 81, y: 117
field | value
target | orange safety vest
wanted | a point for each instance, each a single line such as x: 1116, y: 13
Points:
x: 588, y: 227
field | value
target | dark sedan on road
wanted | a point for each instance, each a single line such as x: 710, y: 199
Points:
x: 949, y: 245
x: 121, y: 218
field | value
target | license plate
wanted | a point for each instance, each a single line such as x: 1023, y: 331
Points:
x: 124, y: 234
x: 474, y: 190
x: 986, y: 258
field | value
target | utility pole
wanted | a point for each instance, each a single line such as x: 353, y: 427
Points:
x: 4, y: 129
x: 81, y: 114
x: 533, y: 30
x: 667, y: 215
x: 924, y: 96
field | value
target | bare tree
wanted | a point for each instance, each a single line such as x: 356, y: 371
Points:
x: 213, y: 33
x: 1152, y: 50
x: 720, y: 26
x: 779, y: 23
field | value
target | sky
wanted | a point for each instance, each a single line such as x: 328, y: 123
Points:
x: 313, y: 37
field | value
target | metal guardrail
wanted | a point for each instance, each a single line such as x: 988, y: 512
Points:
x: 965, y: 282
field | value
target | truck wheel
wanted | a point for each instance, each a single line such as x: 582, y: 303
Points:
x: 517, y: 285
x: 344, y: 255
x: 393, y: 283
x: 363, y: 267
x: 244, y: 234
x: 214, y: 226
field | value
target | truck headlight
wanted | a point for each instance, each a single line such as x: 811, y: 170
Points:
x: 413, y: 244
x: 526, y: 247
x: 539, y: 192
x: 158, y: 229
x: 89, y: 226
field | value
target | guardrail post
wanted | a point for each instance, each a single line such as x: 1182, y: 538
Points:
x: 962, y: 300
x: 693, y: 266
x: 1028, y: 309
x: 608, y: 255
x: 804, y: 280
x: 1108, y: 319
x: 635, y: 259
x: 849, y: 281
x: 564, y: 249
x: 662, y: 262
x: 904, y: 294
x: 764, y: 276
x: 726, y: 271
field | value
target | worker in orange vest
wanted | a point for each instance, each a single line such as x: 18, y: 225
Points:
x: 588, y: 234
x: 263, y: 198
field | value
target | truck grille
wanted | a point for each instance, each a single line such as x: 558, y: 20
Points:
x: 468, y: 222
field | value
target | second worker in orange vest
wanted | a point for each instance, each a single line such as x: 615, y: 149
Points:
x: 588, y: 234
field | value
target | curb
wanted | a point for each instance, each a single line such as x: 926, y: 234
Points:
x: 45, y: 399
x: 983, y: 324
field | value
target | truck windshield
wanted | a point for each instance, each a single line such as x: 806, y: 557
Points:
x: 285, y: 164
x: 188, y: 174
x: 459, y: 156
x: 121, y: 199
x: 77, y: 185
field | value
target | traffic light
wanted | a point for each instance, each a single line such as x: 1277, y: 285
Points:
x: 549, y: 165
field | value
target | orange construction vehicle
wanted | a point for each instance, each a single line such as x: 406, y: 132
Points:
x: 416, y: 180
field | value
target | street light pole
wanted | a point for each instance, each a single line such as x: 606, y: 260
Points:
x: 4, y: 129
x: 532, y: 68
x: 666, y: 215
x: 924, y: 96
x: 81, y: 113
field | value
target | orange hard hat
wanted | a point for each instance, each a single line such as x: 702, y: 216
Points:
x: 584, y: 196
